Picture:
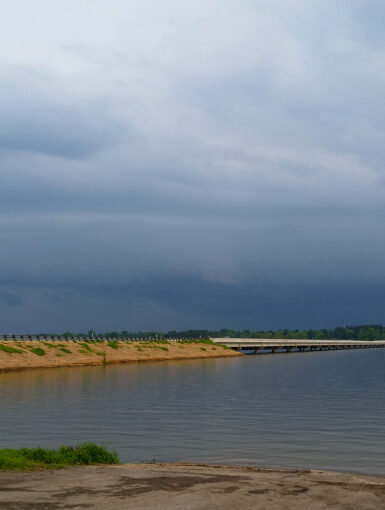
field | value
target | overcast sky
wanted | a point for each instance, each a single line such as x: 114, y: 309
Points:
x: 216, y: 163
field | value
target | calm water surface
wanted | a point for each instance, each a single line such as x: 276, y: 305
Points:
x: 310, y: 410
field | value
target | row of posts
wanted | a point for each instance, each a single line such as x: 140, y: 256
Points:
x: 61, y: 338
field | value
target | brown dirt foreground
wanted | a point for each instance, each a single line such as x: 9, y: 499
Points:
x: 188, y: 487
x: 74, y: 354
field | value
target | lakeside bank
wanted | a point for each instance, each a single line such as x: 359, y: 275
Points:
x: 193, y: 486
x: 20, y: 355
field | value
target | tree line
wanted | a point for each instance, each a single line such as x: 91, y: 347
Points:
x: 364, y: 332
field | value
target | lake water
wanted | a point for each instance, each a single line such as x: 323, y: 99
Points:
x: 308, y: 410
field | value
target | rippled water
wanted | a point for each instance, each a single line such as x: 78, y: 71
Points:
x: 310, y: 410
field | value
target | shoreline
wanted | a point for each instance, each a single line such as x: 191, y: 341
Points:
x: 24, y: 355
x: 171, y: 486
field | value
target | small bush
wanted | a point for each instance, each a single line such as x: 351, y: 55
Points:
x: 8, y: 348
x: 38, y: 351
x: 64, y: 349
x: 113, y: 344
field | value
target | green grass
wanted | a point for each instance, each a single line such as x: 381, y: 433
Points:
x: 113, y: 344
x: 38, y: 351
x: 86, y: 347
x: 7, y: 348
x: 198, y: 341
x: 64, y: 349
x: 51, y: 346
x: 27, y: 459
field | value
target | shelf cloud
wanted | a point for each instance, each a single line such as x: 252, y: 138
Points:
x: 191, y: 165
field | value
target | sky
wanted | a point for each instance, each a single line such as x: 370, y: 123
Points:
x: 207, y: 164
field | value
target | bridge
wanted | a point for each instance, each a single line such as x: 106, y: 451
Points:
x: 261, y: 345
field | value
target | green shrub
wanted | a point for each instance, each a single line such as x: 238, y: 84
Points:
x: 113, y: 344
x: 38, y: 351
x: 8, y: 348
x: 64, y: 349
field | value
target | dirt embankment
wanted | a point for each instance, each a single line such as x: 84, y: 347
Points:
x: 192, y: 486
x: 44, y: 354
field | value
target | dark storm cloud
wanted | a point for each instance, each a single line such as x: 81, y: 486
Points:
x: 183, y: 164
x: 11, y: 299
x: 179, y: 303
x: 250, y: 303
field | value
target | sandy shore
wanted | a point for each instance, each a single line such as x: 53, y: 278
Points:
x: 190, y: 487
x: 71, y: 354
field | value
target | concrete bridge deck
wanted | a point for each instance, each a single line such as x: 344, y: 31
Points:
x: 295, y: 345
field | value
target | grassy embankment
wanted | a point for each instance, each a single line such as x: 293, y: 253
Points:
x: 16, y: 355
x: 28, y: 459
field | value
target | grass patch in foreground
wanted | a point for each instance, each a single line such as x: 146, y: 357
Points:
x: 7, y: 348
x: 27, y: 459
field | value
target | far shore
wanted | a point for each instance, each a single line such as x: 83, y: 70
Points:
x: 21, y: 355
x: 173, y: 486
